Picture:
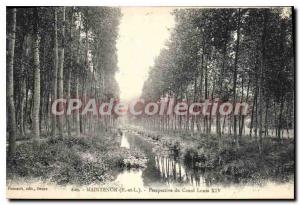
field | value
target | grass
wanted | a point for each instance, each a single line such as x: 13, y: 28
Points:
x: 68, y: 160
x: 244, y: 163
x: 219, y: 155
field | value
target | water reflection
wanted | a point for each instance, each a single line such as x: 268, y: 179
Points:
x: 168, y: 171
x: 124, y: 142
x: 131, y: 177
x: 160, y: 170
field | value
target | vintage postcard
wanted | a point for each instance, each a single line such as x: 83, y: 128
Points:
x: 150, y: 103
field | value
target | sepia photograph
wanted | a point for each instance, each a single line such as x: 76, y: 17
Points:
x: 150, y: 102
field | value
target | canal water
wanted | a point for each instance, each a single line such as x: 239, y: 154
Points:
x: 160, y: 170
x: 165, y: 171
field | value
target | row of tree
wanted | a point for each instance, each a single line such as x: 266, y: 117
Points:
x: 243, y: 54
x: 58, y: 52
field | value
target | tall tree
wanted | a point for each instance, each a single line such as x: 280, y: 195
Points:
x: 37, y: 77
x: 10, y: 82
x: 61, y: 72
x: 55, y: 62
x: 235, y: 75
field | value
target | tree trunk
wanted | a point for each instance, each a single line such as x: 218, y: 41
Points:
x: 235, y: 77
x: 243, y: 117
x: 36, y: 87
x: 61, y: 74
x: 280, y: 118
x: 54, y: 86
x: 77, y: 114
x: 68, y: 118
x: 23, y: 85
x: 261, y: 87
x: 10, y: 86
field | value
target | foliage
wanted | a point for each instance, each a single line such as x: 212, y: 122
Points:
x: 62, y: 160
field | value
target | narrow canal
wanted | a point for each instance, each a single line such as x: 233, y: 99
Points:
x: 161, y: 170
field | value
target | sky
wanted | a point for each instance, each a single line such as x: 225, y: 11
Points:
x: 142, y: 34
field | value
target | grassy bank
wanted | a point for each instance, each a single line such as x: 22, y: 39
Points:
x: 69, y: 160
x: 220, y: 157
